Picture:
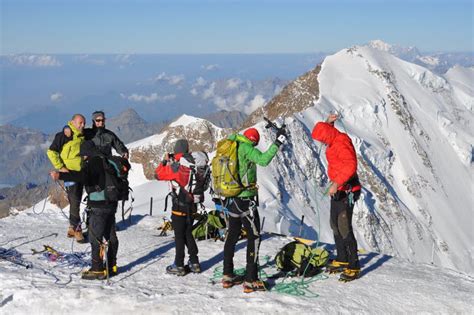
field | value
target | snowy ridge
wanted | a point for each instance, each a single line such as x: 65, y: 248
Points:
x: 414, y: 141
x: 387, y: 285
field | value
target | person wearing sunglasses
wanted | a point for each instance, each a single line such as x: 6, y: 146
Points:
x: 104, y: 139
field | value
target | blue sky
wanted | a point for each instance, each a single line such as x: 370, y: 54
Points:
x: 179, y: 26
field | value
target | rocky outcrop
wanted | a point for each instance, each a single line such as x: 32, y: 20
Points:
x: 21, y: 197
x: 129, y: 126
x: 295, y: 97
x: 227, y: 119
x: 23, y: 157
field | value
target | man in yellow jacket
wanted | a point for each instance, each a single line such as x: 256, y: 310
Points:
x: 64, y: 155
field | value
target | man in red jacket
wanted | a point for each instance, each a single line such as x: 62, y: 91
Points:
x: 344, y: 191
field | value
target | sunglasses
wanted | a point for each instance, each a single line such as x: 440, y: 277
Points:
x: 99, y: 120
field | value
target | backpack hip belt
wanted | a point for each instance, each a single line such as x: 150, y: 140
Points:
x: 179, y: 213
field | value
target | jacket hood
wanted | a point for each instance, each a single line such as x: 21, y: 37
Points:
x: 324, y: 132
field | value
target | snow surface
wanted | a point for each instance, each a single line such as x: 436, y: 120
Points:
x: 387, y: 285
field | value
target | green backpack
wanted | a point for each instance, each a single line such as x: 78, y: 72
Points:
x: 301, y: 258
x: 209, y: 226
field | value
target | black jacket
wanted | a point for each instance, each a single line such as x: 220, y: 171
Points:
x: 105, y: 140
x: 92, y: 176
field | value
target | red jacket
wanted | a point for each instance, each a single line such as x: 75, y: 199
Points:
x: 174, y: 171
x: 340, y: 153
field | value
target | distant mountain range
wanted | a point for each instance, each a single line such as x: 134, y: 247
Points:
x: 25, y: 164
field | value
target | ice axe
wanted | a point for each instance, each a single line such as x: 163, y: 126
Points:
x: 271, y: 124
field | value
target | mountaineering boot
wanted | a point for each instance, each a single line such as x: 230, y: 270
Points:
x: 228, y: 281
x: 336, y: 266
x: 349, y: 274
x: 175, y: 270
x: 257, y: 285
x: 79, y: 236
x: 70, y: 231
x: 94, y: 275
x: 113, y: 271
x: 194, y: 268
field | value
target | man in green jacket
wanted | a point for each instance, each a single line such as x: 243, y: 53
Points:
x: 64, y: 155
x: 243, y: 209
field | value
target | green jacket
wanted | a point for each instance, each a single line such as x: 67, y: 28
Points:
x: 64, y: 151
x: 249, y: 157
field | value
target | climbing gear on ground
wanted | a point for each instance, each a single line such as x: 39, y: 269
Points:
x: 165, y: 227
x: 209, y: 225
x: 301, y: 259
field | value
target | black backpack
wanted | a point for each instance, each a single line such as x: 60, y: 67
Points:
x: 116, y: 180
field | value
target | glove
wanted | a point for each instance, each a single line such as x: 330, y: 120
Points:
x: 281, y: 137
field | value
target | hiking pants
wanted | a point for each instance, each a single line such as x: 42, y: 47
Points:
x: 102, y: 226
x: 74, y: 195
x: 242, y: 212
x: 183, y: 227
x: 341, y: 225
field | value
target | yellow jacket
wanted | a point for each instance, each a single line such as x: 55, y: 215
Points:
x: 64, y: 151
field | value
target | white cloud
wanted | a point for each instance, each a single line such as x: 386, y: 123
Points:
x: 56, y: 97
x: 209, y: 92
x: 236, y: 102
x: 233, y: 83
x: 123, y: 59
x: 200, y: 81
x: 176, y: 79
x: 91, y: 60
x: 194, y: 92
x: 257, y: 102
x: 220, y: 102
x: 35, y: 60
x: 210, y: 67
x: 240, y: 99
x: 152, y: 98
x: 172, y: 80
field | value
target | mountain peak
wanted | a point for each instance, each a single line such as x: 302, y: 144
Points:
x: 408, y: 53
x: 380, y: 45
x: 128, y: 115
x: 185, y: 120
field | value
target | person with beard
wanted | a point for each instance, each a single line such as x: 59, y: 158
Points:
x: 103, y: 138
x: 64, y: 156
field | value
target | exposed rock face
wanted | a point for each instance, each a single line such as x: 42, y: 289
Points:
x: 227, y: 119
x: 20, y: 197
x: 23, y: 157
x: 295, y: 97
x: 129, y: 126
